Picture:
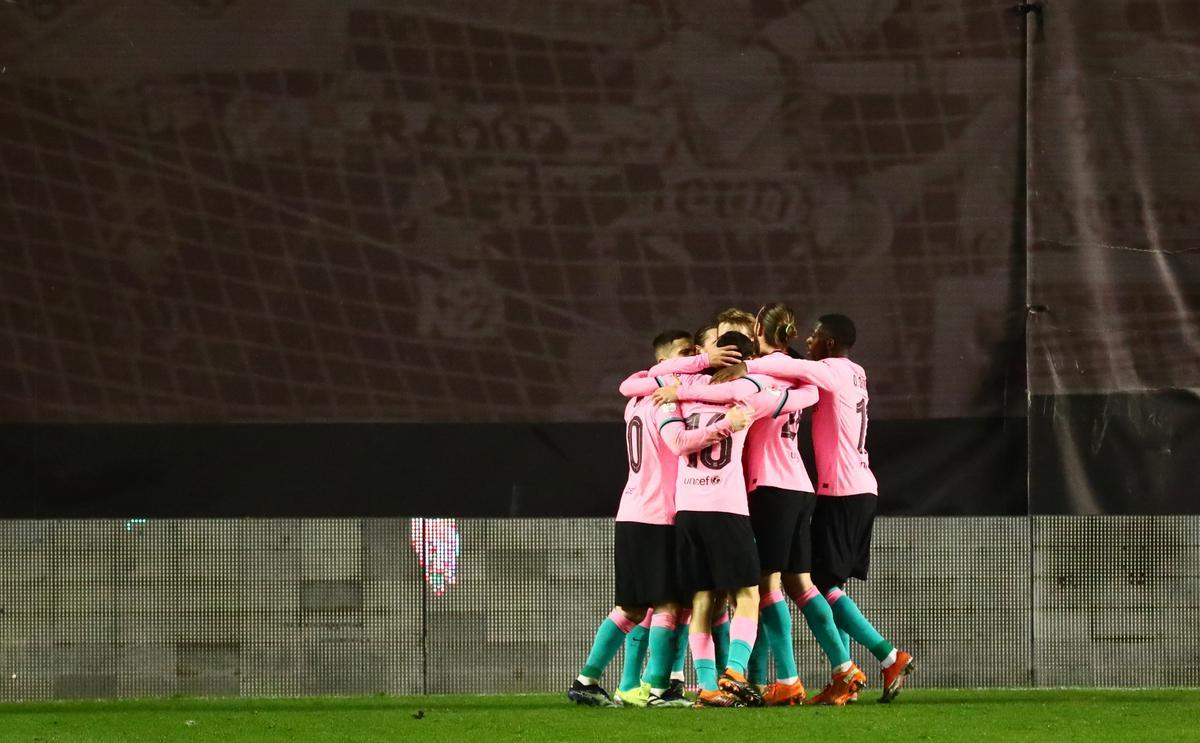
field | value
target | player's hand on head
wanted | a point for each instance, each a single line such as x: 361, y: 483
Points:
x: 664, y: 395
x: 730, y: 373
x: 739, y: 416
x: 719, y: 358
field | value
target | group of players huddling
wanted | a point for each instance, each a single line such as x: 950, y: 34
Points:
x: 719, y: 515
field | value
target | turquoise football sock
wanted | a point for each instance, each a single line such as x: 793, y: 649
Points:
x: 681, y: 648
x: 756, y: 669
x: 609, y: 638
x: 720, y: 634
x: 775, y: 621
x: 635, y: 656
x: 821, y: 623
x: 662, y: 651
x: 852, y: 621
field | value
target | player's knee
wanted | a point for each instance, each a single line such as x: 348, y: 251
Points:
x: 717, y: 604
x: 634, y: 614
x: 826, y: 584
x: 749, y: 593
x: 792, y: 586
x: 702, y: 604
x: 797, y: 583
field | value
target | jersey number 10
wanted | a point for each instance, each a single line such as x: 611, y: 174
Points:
x: 633, y: 444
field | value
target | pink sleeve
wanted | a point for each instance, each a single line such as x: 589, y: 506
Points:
x: 678, y: 438
x: 718, y: 394
x: 772, y: 403
x: 639, y: 384
x: 799, y: 398
x: 813, y: 372
x: 681, y: 365
x: 765, y: 403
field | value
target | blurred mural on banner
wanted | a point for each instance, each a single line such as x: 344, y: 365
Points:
x: 483, y: 211
x: 423, y: 211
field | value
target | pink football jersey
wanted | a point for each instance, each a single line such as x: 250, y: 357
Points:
x: 772, y: 455
x: 710, y: 457
x: 649, y: 495
x: 839, y: 421
x: 772, y: 446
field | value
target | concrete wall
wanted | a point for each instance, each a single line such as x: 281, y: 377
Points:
x: 296, y: 607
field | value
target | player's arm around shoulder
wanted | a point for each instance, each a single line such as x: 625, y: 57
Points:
x: 681, y: 440
x: 811, y: 372
x: 641, y: 384
x: 701, y: 390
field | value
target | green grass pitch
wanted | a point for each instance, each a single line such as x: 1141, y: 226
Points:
x: 918, y: 715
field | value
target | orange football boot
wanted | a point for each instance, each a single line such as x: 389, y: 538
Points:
x: 736, y: 684
x: 717, y: 698
x: 784, y: 695
x: 841, y: 687
x: 894, y: 675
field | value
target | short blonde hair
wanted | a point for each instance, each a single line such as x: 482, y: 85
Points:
x: 740, y: 318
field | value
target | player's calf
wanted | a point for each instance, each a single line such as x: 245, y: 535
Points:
x: 610, y: 636
x: 743, y: 633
